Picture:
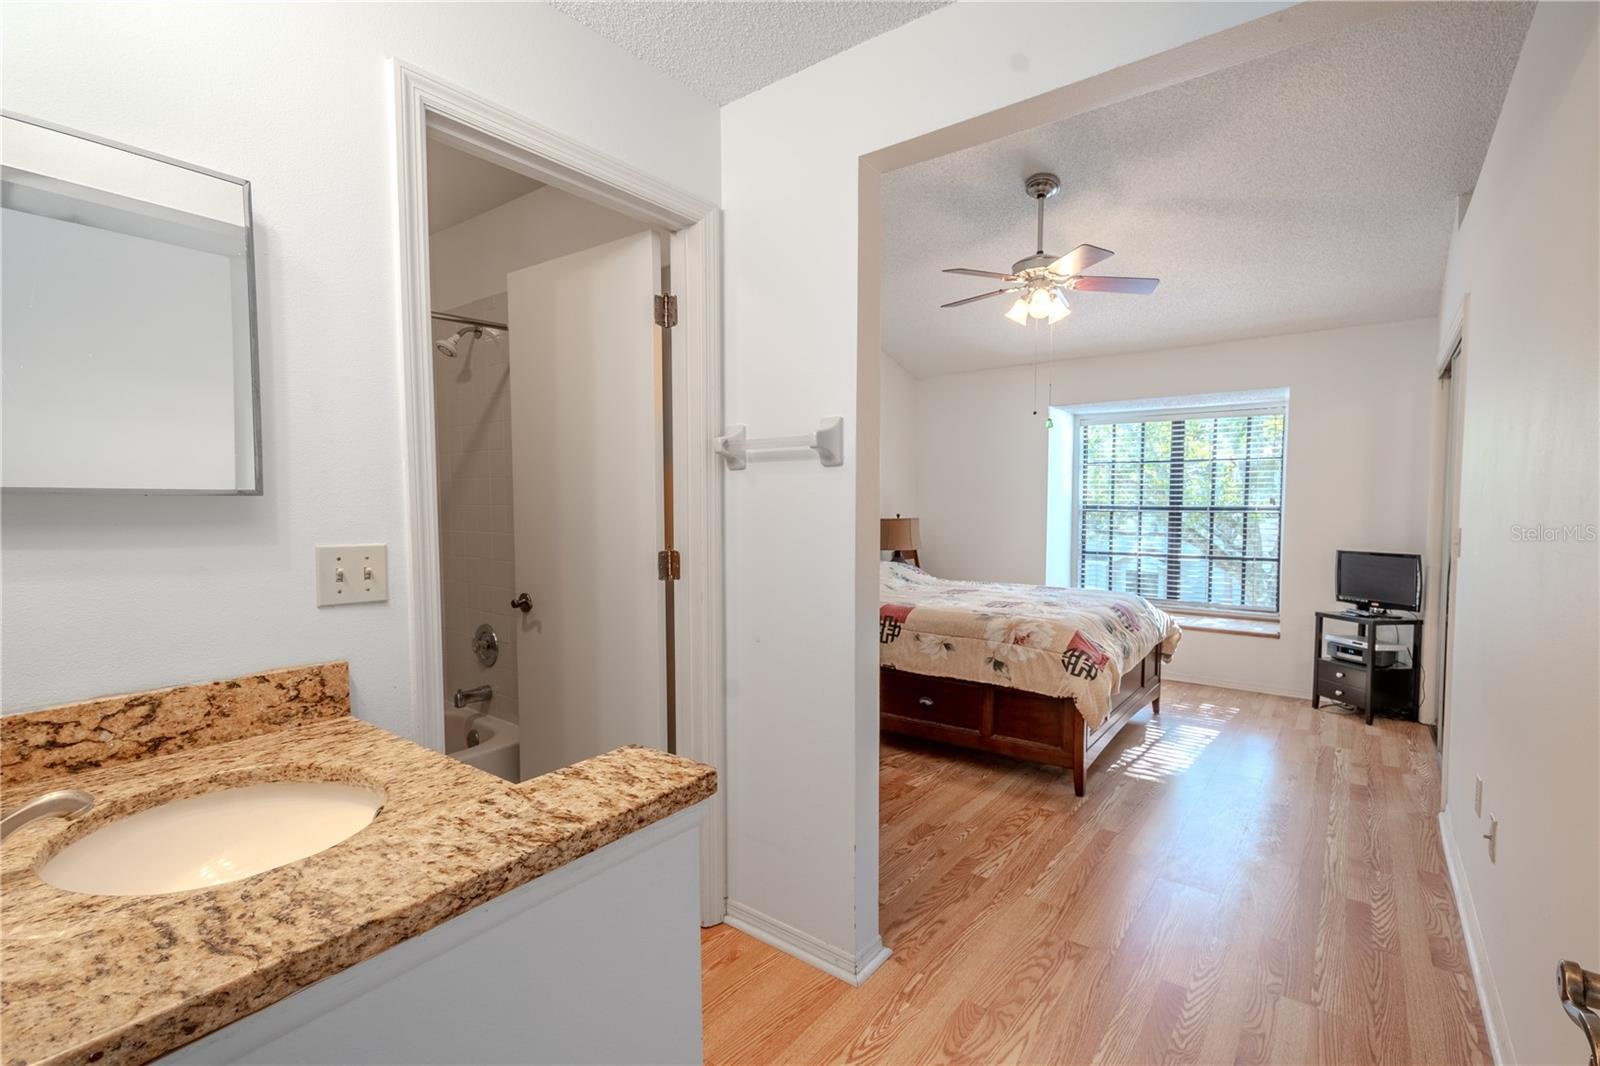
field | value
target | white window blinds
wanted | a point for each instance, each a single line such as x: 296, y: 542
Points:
x: 1187, y: 510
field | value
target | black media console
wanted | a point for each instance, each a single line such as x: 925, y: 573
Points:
x: 1369, y: 688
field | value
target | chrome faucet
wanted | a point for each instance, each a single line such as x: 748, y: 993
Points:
x: 481, y: 694
x: 67, y: 803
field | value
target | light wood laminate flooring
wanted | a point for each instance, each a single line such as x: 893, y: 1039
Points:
x: 1248, y: 880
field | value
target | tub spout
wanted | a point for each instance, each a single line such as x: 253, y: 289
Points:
x: 481, y: 694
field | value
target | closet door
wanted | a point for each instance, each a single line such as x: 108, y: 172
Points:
x: 586, y: 471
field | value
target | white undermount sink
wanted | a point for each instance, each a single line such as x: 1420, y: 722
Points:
x: 213, y: 838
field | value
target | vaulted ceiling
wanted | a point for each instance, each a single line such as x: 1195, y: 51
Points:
x: 1310, y: 189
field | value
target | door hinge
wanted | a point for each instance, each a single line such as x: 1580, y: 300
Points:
x: 669, y: 564
x: 666, y: 310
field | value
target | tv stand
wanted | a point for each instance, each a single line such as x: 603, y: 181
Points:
x: 1364, y: 686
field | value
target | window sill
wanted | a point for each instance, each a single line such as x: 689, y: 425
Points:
x: 1239, y: 627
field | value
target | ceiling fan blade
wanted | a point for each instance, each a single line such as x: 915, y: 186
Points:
x: 1080, y: 259
x: 981, y: 273
x: 985, y: 296
x: 1135, y: 286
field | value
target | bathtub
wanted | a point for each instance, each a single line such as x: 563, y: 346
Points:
x: 497, y: 749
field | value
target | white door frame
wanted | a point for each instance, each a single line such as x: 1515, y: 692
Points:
x: 425, y: 103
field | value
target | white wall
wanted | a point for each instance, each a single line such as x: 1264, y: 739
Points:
x: 801, y: 343
x: 470, y: 260
x: 1523, y: 688
x: 1359, y: 399
x: 112, y: 594
x: 897, y: 441
x: 477, y: 552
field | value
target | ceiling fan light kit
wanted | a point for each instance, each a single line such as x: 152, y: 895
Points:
x: 1041, y: 280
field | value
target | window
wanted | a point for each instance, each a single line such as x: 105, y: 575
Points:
x: 1188, y: 510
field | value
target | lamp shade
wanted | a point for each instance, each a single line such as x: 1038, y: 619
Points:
x: 899, y: 534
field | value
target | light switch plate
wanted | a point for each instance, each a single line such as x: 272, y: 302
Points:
x: 352, y: 573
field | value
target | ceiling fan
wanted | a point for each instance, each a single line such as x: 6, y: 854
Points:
x: 1042, y: 280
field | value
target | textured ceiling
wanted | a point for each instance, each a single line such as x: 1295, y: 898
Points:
x: 727, y: 50
x: 461, y: 186
x: 1311, y: 189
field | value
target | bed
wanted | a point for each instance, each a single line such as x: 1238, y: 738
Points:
x: 1029, y: 671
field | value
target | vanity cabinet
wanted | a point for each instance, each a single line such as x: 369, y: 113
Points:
x: 595, y: 962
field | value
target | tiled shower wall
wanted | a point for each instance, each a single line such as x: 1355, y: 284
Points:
x: 472, y: 418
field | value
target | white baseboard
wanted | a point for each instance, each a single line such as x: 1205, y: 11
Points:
x: 849, y: 968
x: 1494, y: 1017
x: 1233, y: 683
x: 870, y: 959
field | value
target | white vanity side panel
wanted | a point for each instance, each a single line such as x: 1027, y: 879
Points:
x: 598, y: 962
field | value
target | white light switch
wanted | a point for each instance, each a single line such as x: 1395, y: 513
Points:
x: 352, y: 573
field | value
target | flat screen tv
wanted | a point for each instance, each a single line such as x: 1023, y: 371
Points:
x: 1377, y: 581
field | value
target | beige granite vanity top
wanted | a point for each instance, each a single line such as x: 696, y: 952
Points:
x: 109, y: 979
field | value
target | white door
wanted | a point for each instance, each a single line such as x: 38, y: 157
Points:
x: 586, y: 472
x: 1449, y: 533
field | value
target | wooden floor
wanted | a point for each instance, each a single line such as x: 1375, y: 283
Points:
x: 1248, y: 880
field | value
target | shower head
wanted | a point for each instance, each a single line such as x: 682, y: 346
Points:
x: 451, y: 348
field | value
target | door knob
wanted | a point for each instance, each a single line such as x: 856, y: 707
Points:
x: 522, y: 603
x: 1579, y: 990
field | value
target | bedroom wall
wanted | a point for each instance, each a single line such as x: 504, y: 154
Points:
x: 1358, y: 397
x: 1522, y: 709
x: 897, y: 440
x: 297, y: 98
x: 801, y: 342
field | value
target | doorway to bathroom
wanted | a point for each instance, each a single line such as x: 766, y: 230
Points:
x: 563, y: 384
x: 551, y: 463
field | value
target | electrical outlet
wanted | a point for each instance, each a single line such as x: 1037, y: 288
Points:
x: 1493, y: 836
x: 352, y: 573
x: 1477, y: 797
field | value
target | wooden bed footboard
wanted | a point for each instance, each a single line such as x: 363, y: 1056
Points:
x: 1007, y: 721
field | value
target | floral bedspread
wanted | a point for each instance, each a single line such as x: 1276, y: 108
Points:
x: 1053, y: 641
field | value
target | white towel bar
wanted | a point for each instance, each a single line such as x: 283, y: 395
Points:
x: 827, y: 442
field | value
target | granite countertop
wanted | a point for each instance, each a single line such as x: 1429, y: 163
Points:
x: 125, y: 979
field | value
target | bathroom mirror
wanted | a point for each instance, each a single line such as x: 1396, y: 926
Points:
x: 127, y: 320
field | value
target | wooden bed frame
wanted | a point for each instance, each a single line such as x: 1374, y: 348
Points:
x: 1008, y: 721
